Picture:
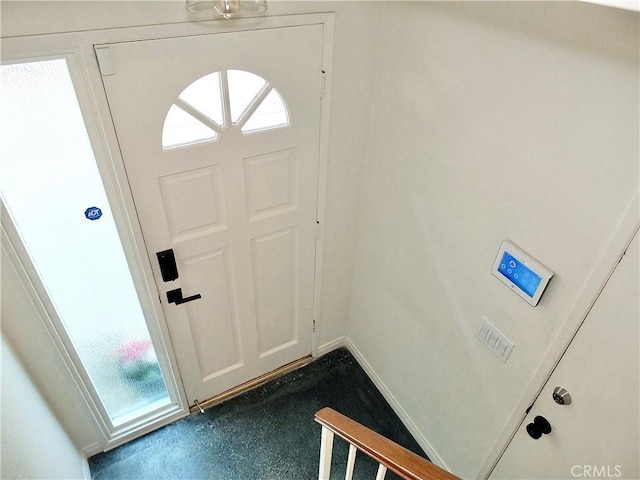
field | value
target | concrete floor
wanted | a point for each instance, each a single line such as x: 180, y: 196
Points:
x: 267, y: 433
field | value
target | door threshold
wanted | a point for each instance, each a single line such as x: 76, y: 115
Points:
x: 243, y: 387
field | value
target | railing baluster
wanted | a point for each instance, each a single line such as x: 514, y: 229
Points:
x: 351, y: 461
x: 388, y: 454
x: 326, y: 450
x: 382, y: 471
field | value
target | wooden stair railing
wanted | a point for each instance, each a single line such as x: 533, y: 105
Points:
x: 388, y: 454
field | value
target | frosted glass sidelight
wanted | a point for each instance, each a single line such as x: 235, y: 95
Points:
x: 53, y: 191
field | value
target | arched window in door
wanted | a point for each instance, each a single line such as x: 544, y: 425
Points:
x: 221, y: 100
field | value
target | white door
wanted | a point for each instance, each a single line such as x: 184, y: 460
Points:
x: 219, y: 135
x: 596, y: 434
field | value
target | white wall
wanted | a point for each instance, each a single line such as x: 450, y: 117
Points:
x: 34, y: 444
x: 490, y: 121
x: 24, y: 326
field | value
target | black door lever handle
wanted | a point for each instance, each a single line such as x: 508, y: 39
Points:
x: 175, y: 296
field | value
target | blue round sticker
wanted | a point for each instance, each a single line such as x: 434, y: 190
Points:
x: 93, y: 213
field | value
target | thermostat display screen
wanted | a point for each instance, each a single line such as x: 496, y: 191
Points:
x: 523, y: 274
x: 519, y: 274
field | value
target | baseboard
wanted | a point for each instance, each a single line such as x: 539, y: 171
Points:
x: 91, y: 450
x: 395, y: 405
x: 84, y: 453
x: 86, y: 472
x: 332, y: 345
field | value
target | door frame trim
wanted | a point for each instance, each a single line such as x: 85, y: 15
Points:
x: 606, y: 264
x: 80, y: 47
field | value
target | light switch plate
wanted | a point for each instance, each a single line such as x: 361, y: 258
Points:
x: 494, y: 339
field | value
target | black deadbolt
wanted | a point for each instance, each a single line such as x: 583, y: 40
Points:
x: 168, y: 267
x: 539, y: 426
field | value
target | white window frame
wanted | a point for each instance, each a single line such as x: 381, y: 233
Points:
x: 112, y: 434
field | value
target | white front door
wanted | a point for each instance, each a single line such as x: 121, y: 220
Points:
x: 220, y: 136
x: 596, y: 434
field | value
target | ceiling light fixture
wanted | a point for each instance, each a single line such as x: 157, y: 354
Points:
x: 226, y: 8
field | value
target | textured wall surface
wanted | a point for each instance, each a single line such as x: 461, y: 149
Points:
x: 493, y: 121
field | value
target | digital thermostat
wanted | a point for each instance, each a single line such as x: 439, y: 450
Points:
x: 522, y: 273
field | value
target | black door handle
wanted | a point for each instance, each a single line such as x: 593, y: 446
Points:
x: 168, y: 267
x: 539, y: 426
x: 175, y: 296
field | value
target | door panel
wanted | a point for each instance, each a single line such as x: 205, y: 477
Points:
x: 214, y: 320
x: 271, y: 184
x: 181, y: 191
x: 274, y: 272
x: 237, y: 204
x: 596, y: 435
